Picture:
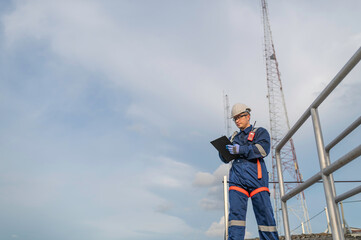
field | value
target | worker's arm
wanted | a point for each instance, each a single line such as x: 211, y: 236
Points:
x: 222, y: 158
x: 259, y: 148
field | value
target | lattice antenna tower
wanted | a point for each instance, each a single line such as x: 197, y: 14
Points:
x: 227, y: 120
x: 279, y: 125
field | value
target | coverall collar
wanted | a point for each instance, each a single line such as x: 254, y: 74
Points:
x: 247, y: 130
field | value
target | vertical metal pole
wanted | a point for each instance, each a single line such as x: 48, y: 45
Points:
x: 286, y: 224
x: 327, y: 181
x: 225, y: 190
x: 328, y: 221
x: 303, y: 228
x: 343, y: 219
x: 331, y: 175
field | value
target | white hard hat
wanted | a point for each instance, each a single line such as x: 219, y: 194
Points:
x: 239, y: 108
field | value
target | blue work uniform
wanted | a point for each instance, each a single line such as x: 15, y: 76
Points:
x: 248, y: 177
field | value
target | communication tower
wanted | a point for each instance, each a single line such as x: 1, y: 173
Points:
x: 279, y: 125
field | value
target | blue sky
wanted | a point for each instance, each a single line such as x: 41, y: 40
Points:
x: 108, y: 107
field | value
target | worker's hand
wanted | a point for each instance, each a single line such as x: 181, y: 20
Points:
x: 233, y: 149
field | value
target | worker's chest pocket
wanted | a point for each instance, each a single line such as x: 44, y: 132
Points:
x: 241, y: 140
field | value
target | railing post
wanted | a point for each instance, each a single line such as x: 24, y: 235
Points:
x: 332, y: 208
x: 328, y: 162
x: 343, y: 218
x: 303, y: 227
x: 286, y: 224
x: 225, y: 190
x: 328, y: 221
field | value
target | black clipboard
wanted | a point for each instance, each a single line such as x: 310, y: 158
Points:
x: 220, y: 145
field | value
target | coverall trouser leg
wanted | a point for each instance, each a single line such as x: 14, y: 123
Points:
x: 237, y: 215
x: 264, y: 215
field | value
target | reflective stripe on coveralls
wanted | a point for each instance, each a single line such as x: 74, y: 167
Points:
x: 254, y: 192
x: 239, y: 190
x: 267, y: 228
x: 240, y: 223
x: 261, y: 150
x: 259, y: 169
x: 261, y: 189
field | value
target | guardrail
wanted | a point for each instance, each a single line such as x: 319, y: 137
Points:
x: 326, y: 168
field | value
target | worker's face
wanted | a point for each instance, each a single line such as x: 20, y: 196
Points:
x: 242, y: 120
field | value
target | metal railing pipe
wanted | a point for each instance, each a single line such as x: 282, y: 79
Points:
x: 329, y: 88
x: 225, y: 192
x: 338, y: 78
x: 332, y: 209
x: 286, y: 223
x: 348, y: 194
x: 331, y: 175
x: 333, y: 143
x: 293, y: 130
x: 309, y: 182
x: 354, y: 153
x: 342, y: 135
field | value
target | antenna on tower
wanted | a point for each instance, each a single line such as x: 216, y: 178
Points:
x: 227, y: 120
x: 279, y: 125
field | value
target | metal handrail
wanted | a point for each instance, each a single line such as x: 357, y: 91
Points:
x: 348, y: 194
x: 343, y: 160
x: 342, y: 135
x: 323, y: 95
x: 323, y: 154
x: 327, y: 171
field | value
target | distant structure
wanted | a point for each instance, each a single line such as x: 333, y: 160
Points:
x: 227, y: 120
x: 279, y: 125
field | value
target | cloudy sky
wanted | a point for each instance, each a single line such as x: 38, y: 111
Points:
x: 108, y: 107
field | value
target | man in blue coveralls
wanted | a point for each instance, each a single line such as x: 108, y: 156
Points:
x: 248, y: 177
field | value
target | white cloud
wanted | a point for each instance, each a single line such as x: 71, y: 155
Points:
x: 146, y: 119
x: 115, y: 211
x: 203, y: 179
x: 213, y: 182
x: 216, y: 191
x: 221, y: 171
x: 164, y: 207
x: 138, y: 61
x: 216, y: 229
x: 113, y: 227
x: 136, y: 202
x: 210, y: 204
x: 168, y: 173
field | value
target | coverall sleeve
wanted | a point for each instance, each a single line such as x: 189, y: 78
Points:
x: 222, y: 159
x: 259, y: 148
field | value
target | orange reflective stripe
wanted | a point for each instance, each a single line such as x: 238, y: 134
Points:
x: 259, y: 169
x: 261, y: 189
x: 239, y: 190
